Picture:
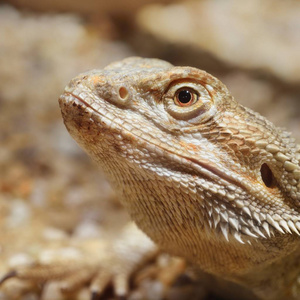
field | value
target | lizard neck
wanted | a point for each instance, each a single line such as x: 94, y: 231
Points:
x: 161, y: 214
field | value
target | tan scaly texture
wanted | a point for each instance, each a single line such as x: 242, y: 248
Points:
x: 204, y: 177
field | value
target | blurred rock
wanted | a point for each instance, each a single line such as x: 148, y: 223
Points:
x: 247, y: 34
x: 47, y: 50
x: 117, y: 7
x: 250, y: 91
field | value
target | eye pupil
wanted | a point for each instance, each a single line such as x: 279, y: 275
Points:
x: 184, y: 96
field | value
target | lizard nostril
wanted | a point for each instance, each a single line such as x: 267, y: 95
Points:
x: 267, y: 176
x: 123, y: 93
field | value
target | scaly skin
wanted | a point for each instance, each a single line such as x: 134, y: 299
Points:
x: 208, y: 180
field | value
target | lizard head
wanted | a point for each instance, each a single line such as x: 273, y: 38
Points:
x: 197, y: 171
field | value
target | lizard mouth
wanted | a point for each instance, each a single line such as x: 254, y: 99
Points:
x: 206, y: 168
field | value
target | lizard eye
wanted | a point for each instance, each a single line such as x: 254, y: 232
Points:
x: 185, y: 97
x: 188, y: 101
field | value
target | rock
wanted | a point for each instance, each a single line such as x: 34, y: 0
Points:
x: 247, y: 34
x: 117, y: 7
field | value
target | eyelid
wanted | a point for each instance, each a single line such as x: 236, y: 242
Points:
x: 181, y: 112
x: 195, y: 86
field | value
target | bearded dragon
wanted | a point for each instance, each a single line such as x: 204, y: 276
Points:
x: 204, y: 177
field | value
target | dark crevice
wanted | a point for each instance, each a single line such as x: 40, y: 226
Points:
x: 267, y: 176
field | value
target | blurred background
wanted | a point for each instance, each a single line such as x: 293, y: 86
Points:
x: 53, y: 199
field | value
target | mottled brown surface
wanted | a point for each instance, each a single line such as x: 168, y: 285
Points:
x: 90, y: 7
x: 249, y: 34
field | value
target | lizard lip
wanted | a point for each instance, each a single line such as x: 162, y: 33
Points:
x: 204, y: 165
x: 80, y: 100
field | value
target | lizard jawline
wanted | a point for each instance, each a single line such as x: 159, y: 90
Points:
x: 212, y: 171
